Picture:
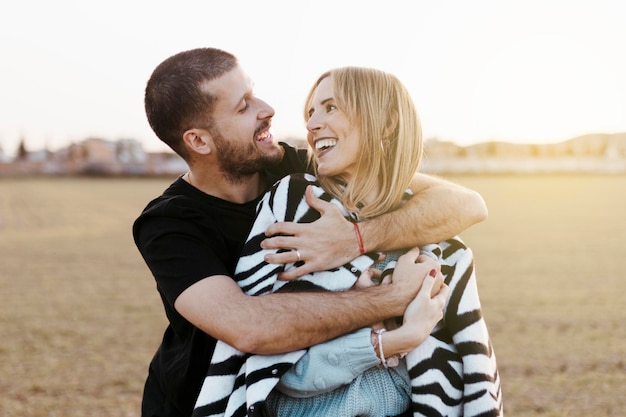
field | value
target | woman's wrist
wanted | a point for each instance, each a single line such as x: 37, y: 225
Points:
x: 401, y: 340
x: 388, y: 347
x: 359, y: 238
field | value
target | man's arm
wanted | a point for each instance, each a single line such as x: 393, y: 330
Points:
x: 439, y: 210
x: 284, y: 322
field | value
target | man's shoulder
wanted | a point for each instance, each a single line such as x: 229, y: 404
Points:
x: 172, y: 206
x: 161, y: 213
x: 294, y: 160
x: 168, y: 203
x: 300, y: 178
x: 181, y: 199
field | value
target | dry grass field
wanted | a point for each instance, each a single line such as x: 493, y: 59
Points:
x: 80, y: 317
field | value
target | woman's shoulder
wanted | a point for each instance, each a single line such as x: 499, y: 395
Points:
x: 301, y: 177
x: 291, y: 191
x: 295, y: 182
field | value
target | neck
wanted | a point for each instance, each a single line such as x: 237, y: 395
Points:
x: 241, y: 191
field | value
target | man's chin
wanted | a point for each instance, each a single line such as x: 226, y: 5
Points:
x: 275, y: 155
x: 265, y: 161
x: 270, y: 163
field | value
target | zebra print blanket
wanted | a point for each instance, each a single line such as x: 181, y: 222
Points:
x: 453, y: 373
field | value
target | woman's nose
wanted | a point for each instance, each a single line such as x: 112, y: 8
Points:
x: 313, y: 124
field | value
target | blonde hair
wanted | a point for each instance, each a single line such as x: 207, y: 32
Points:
x: 382, y: 110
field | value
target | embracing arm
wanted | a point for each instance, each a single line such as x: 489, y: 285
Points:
x: 284, y: 322
x: 327, y: 366
x: 438, y: 211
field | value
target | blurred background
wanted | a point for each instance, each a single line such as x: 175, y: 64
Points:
x: 524, y: 102
x: 524, y: 72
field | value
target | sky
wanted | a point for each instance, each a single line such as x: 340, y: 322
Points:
x: 527, y: 71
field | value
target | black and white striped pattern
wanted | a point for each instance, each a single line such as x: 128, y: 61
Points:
x: 453, y: 373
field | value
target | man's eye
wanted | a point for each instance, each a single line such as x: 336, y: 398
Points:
x: 244, y: 108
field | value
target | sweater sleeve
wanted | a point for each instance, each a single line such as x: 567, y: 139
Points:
x: 329, y: 365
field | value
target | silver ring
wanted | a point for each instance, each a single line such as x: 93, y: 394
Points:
x: 298, y: 254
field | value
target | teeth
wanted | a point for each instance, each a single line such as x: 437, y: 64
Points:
x: 325, y: 143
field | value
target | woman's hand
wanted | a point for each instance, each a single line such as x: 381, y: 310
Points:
x: 426, y: 310
x: 420, y: 318
x: 422, y: 313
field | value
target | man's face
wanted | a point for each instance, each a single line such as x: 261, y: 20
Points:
x: 241, y: 134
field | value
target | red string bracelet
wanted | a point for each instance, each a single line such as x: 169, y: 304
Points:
x: 360, y: 238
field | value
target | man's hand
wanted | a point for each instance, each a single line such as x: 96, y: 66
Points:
x: 411, y: 270
x: 326, y: 243
x: 423, y: 312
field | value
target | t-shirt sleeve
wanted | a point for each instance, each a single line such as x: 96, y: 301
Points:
x: 178, y: 253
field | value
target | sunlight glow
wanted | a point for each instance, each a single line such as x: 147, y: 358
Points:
x: 532, y: 71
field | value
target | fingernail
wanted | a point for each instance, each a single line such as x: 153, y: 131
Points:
x: 432, y: 273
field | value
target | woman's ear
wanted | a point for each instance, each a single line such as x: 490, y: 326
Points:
x: 198, y: 141
x: 392, y: 124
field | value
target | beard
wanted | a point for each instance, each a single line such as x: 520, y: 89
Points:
x: 238, y: 162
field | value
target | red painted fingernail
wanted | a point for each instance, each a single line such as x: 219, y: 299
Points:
x: 432, y: 273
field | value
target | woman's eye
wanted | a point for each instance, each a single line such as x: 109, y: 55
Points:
x: 331, y: 107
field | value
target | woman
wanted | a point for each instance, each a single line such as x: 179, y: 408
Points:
x: 365, y: 140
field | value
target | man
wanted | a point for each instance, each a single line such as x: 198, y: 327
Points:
x: 200, y: 102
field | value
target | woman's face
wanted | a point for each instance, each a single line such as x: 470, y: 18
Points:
x: 334, y: 140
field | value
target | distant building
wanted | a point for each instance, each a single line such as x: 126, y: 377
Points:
x: 96, y: 156
x: 165, y: 163
x: 601, y: 153
x: 4, y: 158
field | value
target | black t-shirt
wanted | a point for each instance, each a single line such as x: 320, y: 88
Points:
x: 184, y: 236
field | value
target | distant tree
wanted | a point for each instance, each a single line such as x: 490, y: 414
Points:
x: 22, y: 153
x: 534, y: 150
x: 47, y: 152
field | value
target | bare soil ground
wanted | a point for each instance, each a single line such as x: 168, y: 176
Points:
x: 80, y: 317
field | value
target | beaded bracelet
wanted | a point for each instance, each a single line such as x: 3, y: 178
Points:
x: 378, y: 340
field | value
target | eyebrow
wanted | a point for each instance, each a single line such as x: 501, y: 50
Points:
x: 243, y: 98
x: 326, y: 100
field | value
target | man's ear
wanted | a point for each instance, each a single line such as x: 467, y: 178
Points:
x: 198, y: 141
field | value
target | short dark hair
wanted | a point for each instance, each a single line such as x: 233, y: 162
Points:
x: 174, y: 99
